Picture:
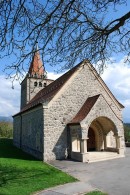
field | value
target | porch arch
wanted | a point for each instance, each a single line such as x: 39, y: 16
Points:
x: 105, y: 134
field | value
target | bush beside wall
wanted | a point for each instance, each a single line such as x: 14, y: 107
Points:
x: 6, y: 129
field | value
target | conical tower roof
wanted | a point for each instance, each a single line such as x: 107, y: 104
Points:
x: 36, y: 66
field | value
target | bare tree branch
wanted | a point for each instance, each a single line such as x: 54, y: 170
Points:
x: 67, y: 32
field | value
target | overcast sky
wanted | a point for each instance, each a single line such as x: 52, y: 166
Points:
x: 117, y: 77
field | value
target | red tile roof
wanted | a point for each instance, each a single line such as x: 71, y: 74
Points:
x: 85, y: 109
x: 36, y: 67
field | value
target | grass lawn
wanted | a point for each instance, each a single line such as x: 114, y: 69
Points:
x: 96, y: 193
x: 21, y: 174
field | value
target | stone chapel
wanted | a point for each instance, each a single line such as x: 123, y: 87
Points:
x: 76, y: 116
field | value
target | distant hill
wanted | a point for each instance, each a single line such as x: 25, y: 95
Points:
x: 7, y: 119
x: 127, y: 124
x: 10, y: 119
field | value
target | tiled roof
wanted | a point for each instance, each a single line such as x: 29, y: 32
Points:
x: 47, y: 93
x: 85, y: 109
x: 36, y: 67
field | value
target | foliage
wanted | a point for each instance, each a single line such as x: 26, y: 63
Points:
x: 6, y: 129
x: 96, y: 193
x: 21, y: 174
x: 127, y: 132
x: 67, y: 31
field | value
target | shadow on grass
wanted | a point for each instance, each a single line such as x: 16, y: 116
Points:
x: 13, y: 174
x: 21, y: 174
x: 8, y: 150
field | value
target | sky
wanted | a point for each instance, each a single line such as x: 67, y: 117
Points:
x: 117, y: 78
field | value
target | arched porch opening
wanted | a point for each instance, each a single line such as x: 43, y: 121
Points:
x: 98, y: 141
x: 105, y: 134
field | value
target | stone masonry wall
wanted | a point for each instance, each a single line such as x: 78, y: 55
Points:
x: 31, y: 132
x: 65, y: 106
x: 29, y: 90
x: 33, y: 90
x: 23, y: 93
x: 17, y: 131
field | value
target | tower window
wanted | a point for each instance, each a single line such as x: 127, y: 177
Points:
x: 44, y: 84
x: 40, y: 84
x: 35, y: 75
x: 35, y: 83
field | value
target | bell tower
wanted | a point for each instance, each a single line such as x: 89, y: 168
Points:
x: 35, y: 80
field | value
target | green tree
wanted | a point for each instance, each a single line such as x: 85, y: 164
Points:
x: 6, y: 129
x: 127, y: 132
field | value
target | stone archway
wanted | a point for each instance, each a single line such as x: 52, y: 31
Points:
x: 97, y: 141
x: 105, y: 131
x: 91, y: 140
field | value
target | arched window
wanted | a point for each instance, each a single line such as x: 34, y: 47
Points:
x: 44, y: 84
x: 40, y: 84
x: 35, y: 83
x: 35, y: 75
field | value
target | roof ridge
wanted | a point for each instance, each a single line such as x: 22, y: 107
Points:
x: 51, y: 85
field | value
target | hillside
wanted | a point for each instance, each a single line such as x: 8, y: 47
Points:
x: 127, y: 131
x: 127, y: 124
x: 6, y: 119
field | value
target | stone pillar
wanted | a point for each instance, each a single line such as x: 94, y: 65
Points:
x: 119, y: 149
x: 83, y: 140
x: 105, y: 141
x: 83, y: 146
x: 117, y: 142
x: 83, y: 150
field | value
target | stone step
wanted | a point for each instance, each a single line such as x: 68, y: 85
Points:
x: 102, y: 156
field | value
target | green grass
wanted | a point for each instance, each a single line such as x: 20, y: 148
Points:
x: 96, y: 193
x: 21, y: 174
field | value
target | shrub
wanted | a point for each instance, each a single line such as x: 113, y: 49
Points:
x: 127, y: 132
x: 6, y: 129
